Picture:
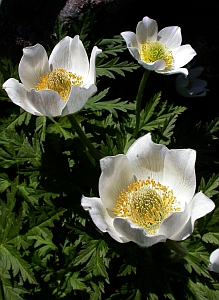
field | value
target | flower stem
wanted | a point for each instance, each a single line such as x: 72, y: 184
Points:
x: 138, y: 101
x: 173, y: 245
x: 83, y: 137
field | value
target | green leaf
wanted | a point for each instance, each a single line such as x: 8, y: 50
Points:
x: 94, y: 253
x: 211, y: 237
x: 9, y: 291
x: 209, y: 188
x: 62, y: 127
x: 10, y: 258
x: 4, y: 182
x: 76, y: 282
x: 197, y: 253
x: 16, y: 149
x: 202, y: 291
x: 114, y: 66
x: 111, y: 105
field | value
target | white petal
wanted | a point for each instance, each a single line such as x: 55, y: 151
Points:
x: 116, y: 175
x: 77, y: 99
x: 147, y: 158
x: 136, y: 234
x: 69, y: 54
x: 146, y: 30
x: 91, y: 79
x: 33, y: 65
x: 175, y: 226
x: 171, y: 37
x: 135, y: 53
x: 47, y: 102
x: 101, y: 218
x: 173, y: 71
x: 182, y: 55
x: 155, y: 66
x: 201, y: 205
x: 17, y: 93
x: 214, y: 261
x: 179, y: 170
x: 130, y: 38
x: 197, y: 208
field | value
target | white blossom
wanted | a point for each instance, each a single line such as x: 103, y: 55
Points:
x: 54, y: 86
x: 161, y: 51
x: 148, y: 195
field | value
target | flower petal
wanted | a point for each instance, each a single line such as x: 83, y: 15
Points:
x: 69, y: 54
x: 47, y: 102
x: 91, y: 79
x: 146, y: 30
x: 116, y: 175
x: 130, y: 38
x: 136, y: 234
x: 34, y: 64
x: 155, y: 66
x: 175, y: 226
x: 101, y: 218
x: 173, y: 71
x: 214, y: 261
x: 17, y: 93
x: 147, y: 158
x: 77, y: 99
x: 179, y: 170
x: 135, y: 53
x: 200, y: 206
x: 170, y: 36
x: 182, y: 55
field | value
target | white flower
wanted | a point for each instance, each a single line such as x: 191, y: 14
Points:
x: 147, y: 195
x: 191, y: 86
x: 60, y: 85
x: 158, y: 51
x: 214, y: 261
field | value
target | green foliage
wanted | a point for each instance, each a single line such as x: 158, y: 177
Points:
x: 49, y: 246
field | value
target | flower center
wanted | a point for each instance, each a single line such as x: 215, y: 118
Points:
x: 152, y: 51
x: 146, y: 203
x: 59, y: 81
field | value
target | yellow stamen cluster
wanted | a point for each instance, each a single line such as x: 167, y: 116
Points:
x: 146, y: 203
x: 59, y: 81
x: 152, y: 51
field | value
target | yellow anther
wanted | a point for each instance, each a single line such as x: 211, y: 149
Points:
x: 59, y: 81
x: 146, y: 203
x: 152, y: 51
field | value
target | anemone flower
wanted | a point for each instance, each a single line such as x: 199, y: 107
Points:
x: 214, y: 261
x: 158, y: 51
x: 191, y: 86
x: 60, y: 85
x: 147, y: 195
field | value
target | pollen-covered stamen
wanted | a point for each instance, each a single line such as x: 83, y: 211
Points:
x: 59, y: 81
x: 146, y: 203
x: 153, y: 51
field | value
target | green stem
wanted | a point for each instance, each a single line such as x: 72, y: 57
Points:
x: 173, y: 245
x: 83, y: 137
x: 138, y: 101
